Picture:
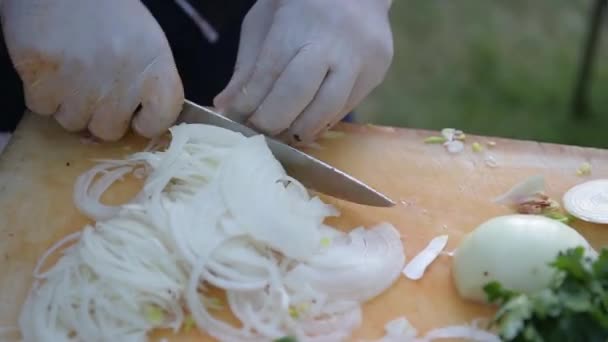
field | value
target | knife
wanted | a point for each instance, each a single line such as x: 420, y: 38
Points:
x: 311, y: 172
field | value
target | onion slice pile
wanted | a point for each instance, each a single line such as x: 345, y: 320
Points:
x: 216, y: 209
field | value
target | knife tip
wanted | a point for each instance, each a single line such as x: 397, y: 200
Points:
x: 385, y: 201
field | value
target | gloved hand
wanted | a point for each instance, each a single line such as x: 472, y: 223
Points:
x: 90, y: 63
x: 303, y: 65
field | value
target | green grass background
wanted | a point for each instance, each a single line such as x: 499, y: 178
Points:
x: 500, y: 68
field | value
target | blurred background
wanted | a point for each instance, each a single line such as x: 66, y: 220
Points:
x: 490, y: 67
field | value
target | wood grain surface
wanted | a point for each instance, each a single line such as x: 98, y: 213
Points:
x: 437, y: 193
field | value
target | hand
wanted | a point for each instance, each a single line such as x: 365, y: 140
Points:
x: 304, y: 64
x: 91, y: 63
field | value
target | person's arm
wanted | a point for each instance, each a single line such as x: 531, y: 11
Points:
x: 92, y: 63
x: 303, y: 65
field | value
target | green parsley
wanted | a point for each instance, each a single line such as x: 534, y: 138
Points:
x: 573, y: 308
x: 286, y: 339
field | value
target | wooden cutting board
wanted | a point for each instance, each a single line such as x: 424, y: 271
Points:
x: 437, y: 193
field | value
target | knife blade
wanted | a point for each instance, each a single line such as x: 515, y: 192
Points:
x: 311, y: 172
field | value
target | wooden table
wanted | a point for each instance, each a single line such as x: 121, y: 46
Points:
x: 437, y: 193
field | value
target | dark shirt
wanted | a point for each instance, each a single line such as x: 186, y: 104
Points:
x: 205, y: 67
x: 11, y: 92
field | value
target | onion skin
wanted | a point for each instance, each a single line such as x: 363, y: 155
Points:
x: 514, y: 250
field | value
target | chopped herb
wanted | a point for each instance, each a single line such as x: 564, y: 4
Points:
x: 303, y: 307
x: 188, y: 324
x: 325, y: 242
x: 584, y: 169
x: 297, y: 310
x: 477, y: 147
x: 213, y: 303
x: 435, y: 140
x: 154, y: 314
x: 573, y: 308
x: 286, y: 339
x: 293, y: 312
x: 559, y: 216
x: 554, y: 211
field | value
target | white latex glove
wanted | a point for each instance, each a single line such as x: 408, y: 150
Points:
x: 90, y: 63
x: 304, y: 64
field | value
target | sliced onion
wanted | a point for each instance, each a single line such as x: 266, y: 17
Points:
x: 450, y: 133
x: 400, y: 329
x: 415, y: 269
x: 466, y: 332
x: 336, y: 327
x: 454, y: 146
x: 490, y: 161
x: 357, y: 269
x: 88, y: 191
x: 216, y: 209
x: 58, y: 245
x: 588, y: 201
x: 283, y: 220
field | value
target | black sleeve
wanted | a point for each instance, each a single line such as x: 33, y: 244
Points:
x: 12, y: 104
x: 205, y: 68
